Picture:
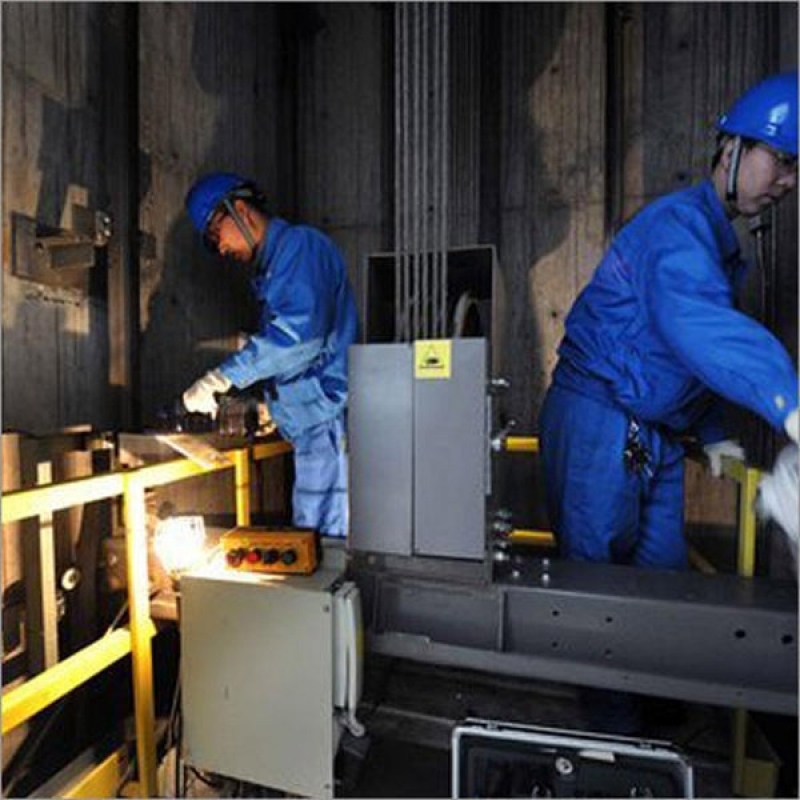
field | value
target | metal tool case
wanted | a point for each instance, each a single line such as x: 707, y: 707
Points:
x: 499, y: 759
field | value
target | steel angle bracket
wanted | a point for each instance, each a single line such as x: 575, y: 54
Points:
x: 54, y: 256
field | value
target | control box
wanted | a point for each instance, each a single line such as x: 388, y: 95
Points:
x: 293, y: 551
x: 270, y: 675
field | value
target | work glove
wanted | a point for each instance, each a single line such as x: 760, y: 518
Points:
x: 791, y: 426
x: 777, y: 496
x: 199, y: 397
x: 716, y: 450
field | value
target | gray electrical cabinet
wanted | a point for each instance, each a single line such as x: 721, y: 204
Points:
x: 419, y: 448
x: 258, y: 670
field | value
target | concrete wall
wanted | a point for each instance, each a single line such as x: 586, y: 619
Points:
x: 55, y: 340
x: 566, y: 118
x: 208, y: 101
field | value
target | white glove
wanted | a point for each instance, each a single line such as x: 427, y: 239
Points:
x: 199, y: 397
x: 791, y: 425
x: 777, y: 496
x: 716, y: 450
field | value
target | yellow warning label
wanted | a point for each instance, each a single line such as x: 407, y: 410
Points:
x: 432, y: 358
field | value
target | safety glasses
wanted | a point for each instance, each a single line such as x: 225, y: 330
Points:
x: 785, y: 163
x: 212, y: 233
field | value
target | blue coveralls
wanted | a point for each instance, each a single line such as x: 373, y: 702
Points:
x: 649, y: 342
x: 307, y: 320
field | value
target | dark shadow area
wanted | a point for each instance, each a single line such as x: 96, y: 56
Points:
x: 69, y: 163
x: 410, y: 711
x: 524, y: 211
x: 198, y: 302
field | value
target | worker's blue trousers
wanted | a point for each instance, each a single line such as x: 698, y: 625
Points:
x: 599, y: 507
x: 319, y: 499
x: 602, y: 509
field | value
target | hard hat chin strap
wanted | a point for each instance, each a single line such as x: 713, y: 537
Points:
x: 248, y: 236
x: 733, y: 171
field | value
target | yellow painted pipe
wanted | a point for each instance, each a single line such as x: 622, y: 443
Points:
x: 241, y: 463
x: 746, y: 556
x: 141, y: 655
x: 521, y: 444
x: 739, y: 746
x: 748, y: 479
x: 270, y: 450
x: 540, y: 538
x: 28, y: 699
x: 27, y: 503
x: 171, y: 471
x: 101, y: 780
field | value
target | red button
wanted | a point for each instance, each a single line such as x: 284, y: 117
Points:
x: 254, y: 556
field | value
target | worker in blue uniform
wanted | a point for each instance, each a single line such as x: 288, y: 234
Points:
x: 654, y: 340
x: 307, y: 321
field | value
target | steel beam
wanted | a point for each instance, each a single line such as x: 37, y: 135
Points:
x: 722, y: 639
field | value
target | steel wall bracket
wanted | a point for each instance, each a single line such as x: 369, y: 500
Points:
x: 55, y: 256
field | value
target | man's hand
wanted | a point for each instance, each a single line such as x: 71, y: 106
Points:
x: 777, y: 494
x: 199, y: 397
x: 715, y: 451
x: 791, y: 426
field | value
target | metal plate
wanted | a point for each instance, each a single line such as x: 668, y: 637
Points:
x: 380, y: 419
x: 450, y: 457
x: 718, y: 639
x: 257, y: 667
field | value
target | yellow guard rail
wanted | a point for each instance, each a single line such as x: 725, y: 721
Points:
x: 23, y: 702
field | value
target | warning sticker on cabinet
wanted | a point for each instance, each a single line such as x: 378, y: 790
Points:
x: 432, y: 358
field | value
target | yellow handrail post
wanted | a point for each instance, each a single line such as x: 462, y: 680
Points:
x: 746, y: 559
x: 241, y: 462
x: 748, y: 479
x: 744, y: 767
x: 141, y: 653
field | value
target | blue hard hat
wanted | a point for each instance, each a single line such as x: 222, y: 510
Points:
x: 767, y: 113
x: 208, y: 192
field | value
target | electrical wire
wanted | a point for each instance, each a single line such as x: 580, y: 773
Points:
x: 121, y: 613
x: 173, y: 738
x: 126, y: 776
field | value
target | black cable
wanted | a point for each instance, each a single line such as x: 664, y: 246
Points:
x: 114, y: 622
x: 173, y: 712
x: 118, y: 616
x: 213, y: 782
x: 127, y: 775
x: 178, y: 746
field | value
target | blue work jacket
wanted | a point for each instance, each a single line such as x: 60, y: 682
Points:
x: 656, y: 327
x: 307, y: 320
